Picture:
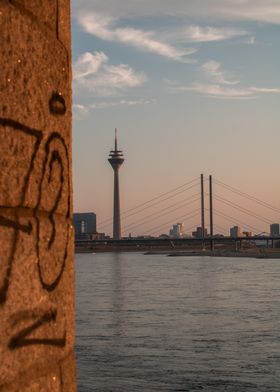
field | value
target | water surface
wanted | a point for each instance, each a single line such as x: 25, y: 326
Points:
x: 157, y: 323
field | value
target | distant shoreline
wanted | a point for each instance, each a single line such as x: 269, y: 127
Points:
x: 260, y: 253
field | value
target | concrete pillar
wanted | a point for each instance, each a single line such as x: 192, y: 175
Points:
x: 117, y: 208
x: 36, y: 236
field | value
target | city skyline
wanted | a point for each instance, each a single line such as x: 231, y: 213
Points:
x: 191, y: 91
x: 153, y: 214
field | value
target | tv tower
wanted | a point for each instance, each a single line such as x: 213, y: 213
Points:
x: 116, y: 159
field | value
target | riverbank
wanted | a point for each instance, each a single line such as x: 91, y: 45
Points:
x: 257, y: 253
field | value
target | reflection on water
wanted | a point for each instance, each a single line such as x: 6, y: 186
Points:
x: 117, y: 294
x: 154, y: 323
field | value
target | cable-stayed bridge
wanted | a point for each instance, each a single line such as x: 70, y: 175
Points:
x: 201, y: 202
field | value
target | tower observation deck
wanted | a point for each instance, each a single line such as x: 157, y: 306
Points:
x: 116, y: 159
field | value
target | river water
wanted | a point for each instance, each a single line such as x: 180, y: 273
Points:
x: 158, y: 323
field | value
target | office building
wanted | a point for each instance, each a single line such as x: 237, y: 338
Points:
x: 274, y: 229
x: 85, y: 225
x: 235, y: 232
x: 177, y: 231
x: 199, y: 233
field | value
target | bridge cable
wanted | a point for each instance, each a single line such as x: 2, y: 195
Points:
x: 246, y: 195
x: 158, y: 214
x: 234, y: 221
x: 195, y: 213
x: 147, y: 207
x: 241, y: 209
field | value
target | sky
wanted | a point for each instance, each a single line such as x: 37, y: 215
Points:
x: 193, y: 87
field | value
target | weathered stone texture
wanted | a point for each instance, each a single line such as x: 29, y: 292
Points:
x: 36, y: 236
x: 45, y: 11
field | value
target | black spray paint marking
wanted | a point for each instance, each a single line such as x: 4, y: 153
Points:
x: 56, y: 106
x: 54, y: 157
x: 21, y: 338
x: 38, y: 135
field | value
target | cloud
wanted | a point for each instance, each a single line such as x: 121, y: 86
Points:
x: 122, y: 102
x: 253, y: 10
x: 217, y: 91
x: 219, y: 86
x: 213, y: 70
x: 88, y: 64
x: 93, y: 73
x: 233, y: 10
x: 82, y: 110
x: 105, y: 28
x: 265, y: 90
x: 195, y: 33
x: 225, y: 92
x: 252, y: 40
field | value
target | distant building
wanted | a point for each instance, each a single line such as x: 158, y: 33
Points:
x: 177, y: 231
x: 198, y: 233
x: 274, y: 229
x: 85, y: 226
x: 163, y: 236
x: 235, y: 232
x: 99, y: 236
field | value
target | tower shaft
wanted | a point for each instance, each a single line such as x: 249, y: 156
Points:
x: 202, y: 206
x: 117, y: 209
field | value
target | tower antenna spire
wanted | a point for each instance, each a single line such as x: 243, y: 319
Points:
x: 116, y: 159
x: 116, y: 139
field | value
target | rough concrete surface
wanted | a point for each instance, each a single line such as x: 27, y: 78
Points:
x: 36, y: 235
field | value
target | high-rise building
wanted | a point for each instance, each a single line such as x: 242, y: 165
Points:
x: 85, y: 225
x: 199, y: 233
x: 235, y: 232
x: 274, y: 229
x: 116, y: 160
x: 178, y: 230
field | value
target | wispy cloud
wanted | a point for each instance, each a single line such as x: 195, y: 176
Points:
x: 219, y: 85
x: 106, y: 28
x: 88, y: 64
x: 265, y: 90
x: 122, y: 102
x: 196, y: 33
x: 81, y: 110
x: 218, y: 91
x: 224, y: 92
x: 213, y: 70
x: 93, y: 73
x: 233, y: 10
x: 251, y: 40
